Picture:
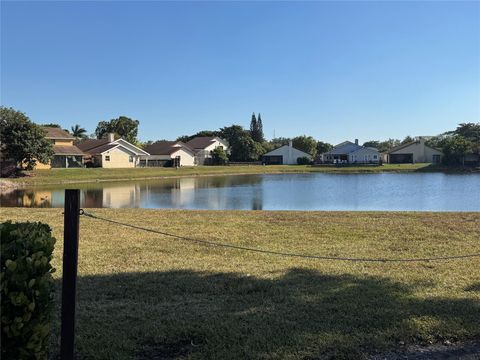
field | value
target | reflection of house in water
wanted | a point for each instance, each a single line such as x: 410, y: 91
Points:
x: 112, y: 196
x: 37, y: 199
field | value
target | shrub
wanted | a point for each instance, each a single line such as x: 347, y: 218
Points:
x: 26, y: 289
x: 303, y: 161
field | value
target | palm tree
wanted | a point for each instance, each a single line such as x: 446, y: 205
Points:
x: 79, y: 132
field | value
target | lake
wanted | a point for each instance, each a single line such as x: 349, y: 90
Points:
x: 312, y: 191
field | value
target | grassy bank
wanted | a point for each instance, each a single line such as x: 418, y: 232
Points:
x: 146, y: 296
x: 58, y: 176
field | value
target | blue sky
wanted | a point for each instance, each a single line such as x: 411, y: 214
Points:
x: 333, y: 70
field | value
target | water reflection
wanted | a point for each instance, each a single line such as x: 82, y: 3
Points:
x: 415, y: 192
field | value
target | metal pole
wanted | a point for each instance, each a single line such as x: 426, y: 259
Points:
x: 69, y: 284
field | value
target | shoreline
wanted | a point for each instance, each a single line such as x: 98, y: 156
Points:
x: 47, y: 177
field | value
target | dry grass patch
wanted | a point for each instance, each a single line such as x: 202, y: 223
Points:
x: 142, y: 295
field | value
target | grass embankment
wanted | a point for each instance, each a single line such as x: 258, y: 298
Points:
x: 59, y: 176
x: 146, y: 296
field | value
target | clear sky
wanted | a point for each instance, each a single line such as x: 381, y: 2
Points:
x: 333, y: 70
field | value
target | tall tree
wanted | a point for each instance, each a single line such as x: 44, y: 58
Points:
x: 123, y: 126
x: 256, y: 129
x: 79, y: 132
x: 242, y: 146
x: 21, y: 140
x: 455, y: 148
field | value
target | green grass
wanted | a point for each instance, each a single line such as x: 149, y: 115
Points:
x: 146, y: 296
x: 58, y: 176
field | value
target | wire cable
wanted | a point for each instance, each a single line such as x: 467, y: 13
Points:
x: 279, y: 253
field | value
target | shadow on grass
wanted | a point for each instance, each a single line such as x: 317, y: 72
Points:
x: 301, y: 315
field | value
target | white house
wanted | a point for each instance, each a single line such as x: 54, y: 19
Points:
x: 164, y: 153
x: 351, y: 153
x: 203, y: 145
x: 414, y: 152
x: 111, y: 153
x: 284, y: 155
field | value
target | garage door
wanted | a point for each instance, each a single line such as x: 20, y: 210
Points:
x: 401, y: 158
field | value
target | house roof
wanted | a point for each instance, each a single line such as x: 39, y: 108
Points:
x: 102, y: 149
x: 166, y: 147
x: 345, y: 147
x: 57, y: 133
x: 201, y: 142
x: 400, y: 147
x: 67, y: 150
x: 280, y: 151
x: 89, y: 144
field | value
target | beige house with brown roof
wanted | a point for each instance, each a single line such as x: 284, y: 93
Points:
x: 111, y: 153
x: 168, y: 153
x: 414, y: 152
x: 66, y: 154
x: 203, y: 145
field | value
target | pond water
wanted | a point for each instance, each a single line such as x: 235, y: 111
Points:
x: 389, y: 192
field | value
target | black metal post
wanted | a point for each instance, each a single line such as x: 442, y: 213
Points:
x: 69, y: 283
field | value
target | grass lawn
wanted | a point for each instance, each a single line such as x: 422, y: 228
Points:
x: 58, y: 176
x: 146, y: 296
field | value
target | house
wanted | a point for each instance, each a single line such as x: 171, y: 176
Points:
x: 414, y: 152
x: 168, y: 153
x: 111, y: 153
x: 203, y: 145
x: 351, y: 153
x: 66, y: 154
x: 284, y: 155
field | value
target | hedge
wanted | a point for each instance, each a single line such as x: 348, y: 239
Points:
x: 26, y: 289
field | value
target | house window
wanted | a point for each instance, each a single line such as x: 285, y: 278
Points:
x: 107, y: 157
x: 130, y: 158
x: 375, y: 157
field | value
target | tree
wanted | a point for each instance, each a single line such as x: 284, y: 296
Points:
x: 455, y: 148
x: 306, y: 144
x: 242, y: 146
x: 123, y: 126
x: 279, y: 141
x: 79, y: 132
x: 372, y: 143
x: 408, y: 139
x: 256, y: 129
x: 51, y: 125
x: 187, y: 138
x: 219, y: 156
x: 21, y: 140
x: 323, y: 147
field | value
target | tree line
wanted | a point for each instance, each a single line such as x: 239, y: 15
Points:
x: 23, y: 140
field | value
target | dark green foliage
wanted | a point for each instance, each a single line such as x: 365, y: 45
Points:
x: 242, y: 146
x: 26, y: 289
x: 123, y: 126
x: 383, y: 146
x: 22, y: 140
x: 187, y: 138
x: 219, y: 156
x: 256, y: 129
x: 455, y: 148
x: 303, y: 161
x: 79, y: 132
x: 323, y: 147
x: 306, y: 144
x: 51, y: 125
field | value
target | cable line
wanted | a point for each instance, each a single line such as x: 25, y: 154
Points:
x: 279, y: 253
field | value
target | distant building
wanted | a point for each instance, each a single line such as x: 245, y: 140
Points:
x: 111, y: 153
x: 414, y: 152
x: 348, y: 152
x: 66, y: 154
x: 284, y: 155
x: 168, y: 153
x: 203, y: 145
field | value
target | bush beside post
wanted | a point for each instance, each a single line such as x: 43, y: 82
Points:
x: 26, y: 289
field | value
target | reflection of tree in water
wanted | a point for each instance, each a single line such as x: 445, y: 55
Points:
x: 226, y: 181
x: 93, y: 198
x: 257, y: 199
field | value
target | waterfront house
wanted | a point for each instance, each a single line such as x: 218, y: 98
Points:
x: 66, y: 154
x: 348, y: 152
x: 203, y: 146
x: 111, y: 153
x: 168, y: 153
x: 414, y: 152
x: 284, y: 155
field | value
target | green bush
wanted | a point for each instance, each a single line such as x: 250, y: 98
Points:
x: 304, y: 161
x: 26, y: 289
